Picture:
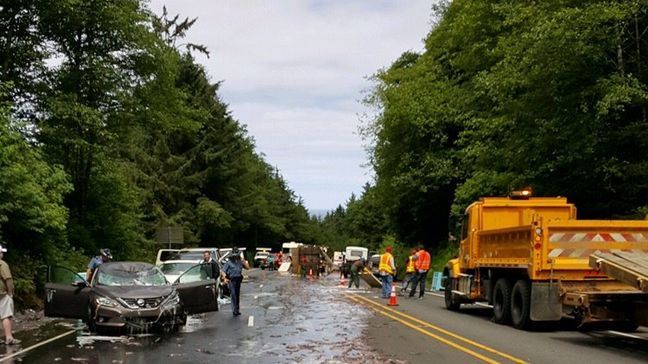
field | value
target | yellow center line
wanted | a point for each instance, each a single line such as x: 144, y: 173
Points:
x: 444, y: 331
x: 434, y: 336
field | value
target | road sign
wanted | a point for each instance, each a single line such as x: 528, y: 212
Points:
x: 170, y: 235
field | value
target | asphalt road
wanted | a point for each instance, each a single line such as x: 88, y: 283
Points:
x: 419, y: 331
x: 287, y: 319
x: 284, y: 320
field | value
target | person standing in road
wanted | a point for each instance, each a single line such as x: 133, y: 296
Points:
x: 423, y: 260
x: 232, y: 274
x: 410, y: 271
x: 209, y: 265
x: 387, y: 270
x: 103, y: 257
x: 356, y: 268
x: 6, y: 299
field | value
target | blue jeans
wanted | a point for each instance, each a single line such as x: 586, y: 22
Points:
x: 420, y: 277
x: 235, y: 292
x: 386, y: 285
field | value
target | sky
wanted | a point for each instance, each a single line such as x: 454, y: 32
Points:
x: 295, y: 72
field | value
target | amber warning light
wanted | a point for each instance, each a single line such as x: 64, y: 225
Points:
x: 521, y: 195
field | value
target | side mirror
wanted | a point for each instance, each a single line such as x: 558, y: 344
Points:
x: 80, y: 284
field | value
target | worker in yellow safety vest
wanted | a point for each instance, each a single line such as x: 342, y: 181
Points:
x: 422, y: 265
x: 410, y: 270
x: 387, y: 270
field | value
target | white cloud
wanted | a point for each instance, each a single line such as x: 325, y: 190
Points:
x: 294, y: 72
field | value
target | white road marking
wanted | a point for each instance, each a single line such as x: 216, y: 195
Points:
x: 627, y: 335
x: 37, y: 345
x: 251, y: 321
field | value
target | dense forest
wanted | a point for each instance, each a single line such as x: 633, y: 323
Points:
x: 506, y: 94
x: 109, y: 129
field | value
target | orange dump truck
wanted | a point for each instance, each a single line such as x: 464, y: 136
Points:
x: 533, y: 260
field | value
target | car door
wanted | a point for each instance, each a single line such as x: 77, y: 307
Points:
x: 66, y: 294
x: 198, y: 292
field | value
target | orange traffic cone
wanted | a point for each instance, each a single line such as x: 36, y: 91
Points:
x: 342, y: 281
x: 392, y: 297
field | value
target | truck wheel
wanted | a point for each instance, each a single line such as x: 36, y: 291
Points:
x: 502, y: 301
x: 521, y: 305
x: 450, y: 302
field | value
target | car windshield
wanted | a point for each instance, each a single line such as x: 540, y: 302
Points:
x: 131, y: 277
x: 175, y: 268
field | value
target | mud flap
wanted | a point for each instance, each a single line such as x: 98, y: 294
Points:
x: 545, y: 302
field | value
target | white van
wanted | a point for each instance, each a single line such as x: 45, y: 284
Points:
x: 285, y: 247
x: 354, y: 253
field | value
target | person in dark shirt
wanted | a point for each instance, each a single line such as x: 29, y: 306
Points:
x: 356, y: 269
x: 209, y: 265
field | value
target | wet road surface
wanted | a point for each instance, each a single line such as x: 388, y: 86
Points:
x: 284, y: 319
x: 291, y: 320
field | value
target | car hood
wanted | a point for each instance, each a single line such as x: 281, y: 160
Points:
x: 134, y: 291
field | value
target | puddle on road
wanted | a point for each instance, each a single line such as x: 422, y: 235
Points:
x: 194, y: 323
x: 314, y: 323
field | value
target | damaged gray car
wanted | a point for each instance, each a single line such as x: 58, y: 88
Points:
x: 130, y: 295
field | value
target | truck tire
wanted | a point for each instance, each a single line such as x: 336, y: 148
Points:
x: 502, y: 301
x: 450, y: 302
x: 521, y: 305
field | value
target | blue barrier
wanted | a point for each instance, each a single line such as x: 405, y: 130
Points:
x: 436, y: 281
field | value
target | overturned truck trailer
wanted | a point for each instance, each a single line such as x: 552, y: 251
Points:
x: 310, y: 259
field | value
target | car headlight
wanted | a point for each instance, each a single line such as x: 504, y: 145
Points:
x: 105, y: 301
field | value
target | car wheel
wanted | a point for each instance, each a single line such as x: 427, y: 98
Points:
x: 90, y: 321
x: 502, y: 301
x: 521, y: 305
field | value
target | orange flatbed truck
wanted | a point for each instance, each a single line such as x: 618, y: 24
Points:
x: 534, y: 261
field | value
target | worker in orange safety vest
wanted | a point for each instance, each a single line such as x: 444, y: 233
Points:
x: 387, y: 270
x: 422, y: 266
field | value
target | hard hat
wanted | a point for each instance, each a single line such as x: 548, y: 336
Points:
x: 106, y: 253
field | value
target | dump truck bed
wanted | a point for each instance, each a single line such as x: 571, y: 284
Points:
x: 630, y: 267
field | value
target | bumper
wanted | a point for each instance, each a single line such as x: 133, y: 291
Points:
x: 145, y: 318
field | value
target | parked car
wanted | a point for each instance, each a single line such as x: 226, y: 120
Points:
x: 130, y: 295
x: 261, y: 258
x: 374, y: 264
x: 166, y: 254
x: 173, y: 269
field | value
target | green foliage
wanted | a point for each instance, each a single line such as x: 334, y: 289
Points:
x: 122, y: 134
x: 506, y: 95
